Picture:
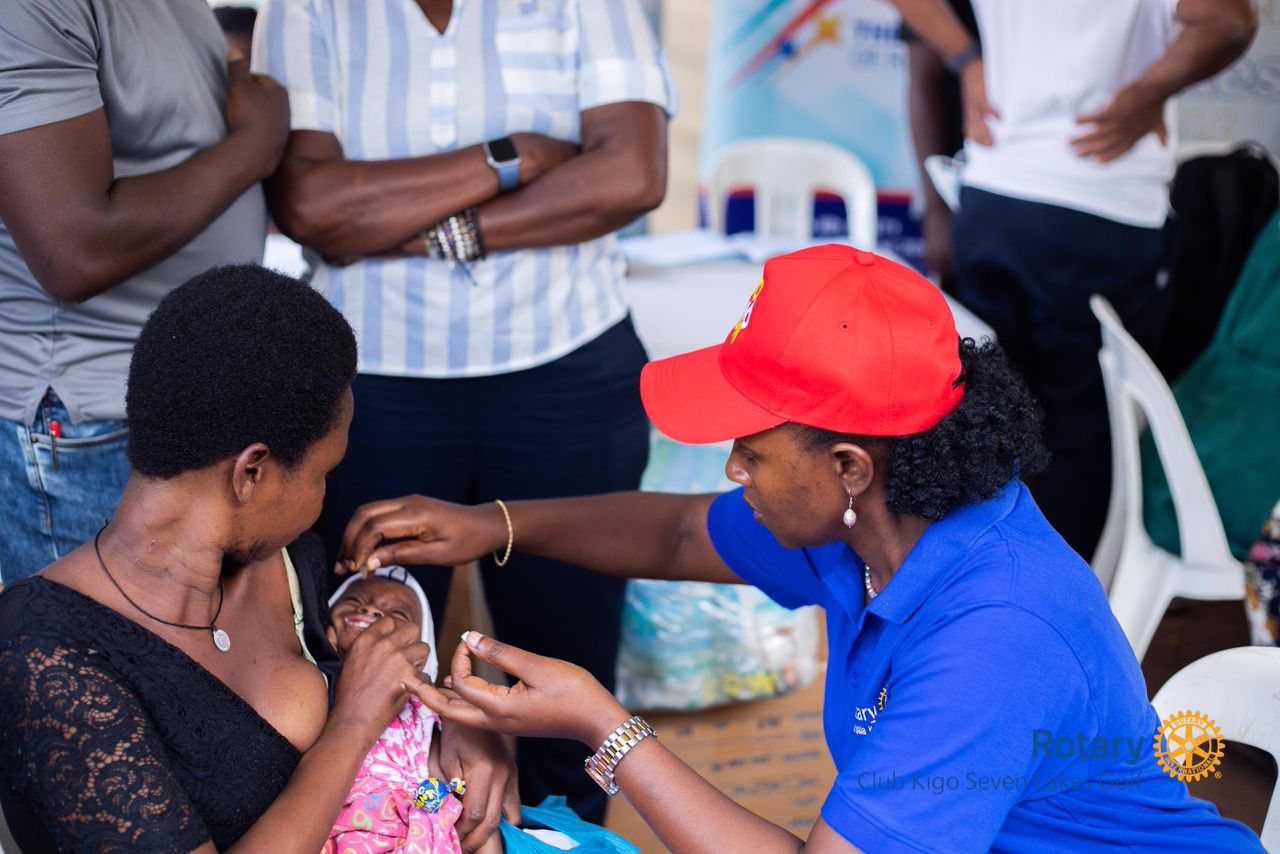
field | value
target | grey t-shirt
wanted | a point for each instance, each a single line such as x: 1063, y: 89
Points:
x: 158, y: 70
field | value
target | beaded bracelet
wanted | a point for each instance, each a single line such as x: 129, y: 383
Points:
x: 456, y: 239
x: 431, y: 794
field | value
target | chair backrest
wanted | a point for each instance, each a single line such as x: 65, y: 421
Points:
x: 784, y: 174
x: 1236, y: 689
x: 944, y: 174
x: 1134, y: 389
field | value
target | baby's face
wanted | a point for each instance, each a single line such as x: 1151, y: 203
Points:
x: 364, y: 603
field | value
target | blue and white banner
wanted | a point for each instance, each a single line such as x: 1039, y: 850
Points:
x: 831, y: 70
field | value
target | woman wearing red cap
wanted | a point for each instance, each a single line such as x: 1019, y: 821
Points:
x: 979, y: 693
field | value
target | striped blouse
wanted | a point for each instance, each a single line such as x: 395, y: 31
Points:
x: 377, y: 75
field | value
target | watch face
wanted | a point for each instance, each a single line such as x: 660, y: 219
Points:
x: 503, y: 149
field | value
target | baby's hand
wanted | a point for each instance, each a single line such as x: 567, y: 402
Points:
x: 370, y: 690
x: 484, y: 762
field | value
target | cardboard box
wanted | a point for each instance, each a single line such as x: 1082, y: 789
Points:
x: 768, y: 755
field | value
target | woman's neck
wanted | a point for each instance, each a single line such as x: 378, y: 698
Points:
x: 164, y: 548
x: 883, y: 541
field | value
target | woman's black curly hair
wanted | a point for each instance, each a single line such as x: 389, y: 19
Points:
x: 990, y: 438
x: 237, y: 355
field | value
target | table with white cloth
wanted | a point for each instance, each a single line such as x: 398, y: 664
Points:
x: 682, y: 308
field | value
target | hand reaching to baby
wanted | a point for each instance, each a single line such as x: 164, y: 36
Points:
x: 552, y: 698
x: 370, y: 690
x: 419, y: 531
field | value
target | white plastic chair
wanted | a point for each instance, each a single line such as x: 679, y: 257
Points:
x: 944, y: 174
x: 1236, y: 688
x: 1140, y: 577
x: 785, y: 173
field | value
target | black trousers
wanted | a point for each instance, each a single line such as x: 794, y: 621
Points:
x: 575, y: 426
x: 1028, y: 269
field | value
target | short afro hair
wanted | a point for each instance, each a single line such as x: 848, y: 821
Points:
x: 238, y: 355
x: 991, y: 437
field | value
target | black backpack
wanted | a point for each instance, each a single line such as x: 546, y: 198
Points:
x: 1220, y: 204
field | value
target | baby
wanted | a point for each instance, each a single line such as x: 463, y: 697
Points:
x: 389, y: 808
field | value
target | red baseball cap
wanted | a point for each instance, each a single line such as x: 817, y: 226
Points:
x: 833, y: 337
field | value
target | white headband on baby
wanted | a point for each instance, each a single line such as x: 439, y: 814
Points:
x: 400, y: 574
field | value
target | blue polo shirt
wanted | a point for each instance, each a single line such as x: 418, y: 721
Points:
x: 987, y: 699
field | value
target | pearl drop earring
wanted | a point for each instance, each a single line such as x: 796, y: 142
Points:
x: 850, y: 518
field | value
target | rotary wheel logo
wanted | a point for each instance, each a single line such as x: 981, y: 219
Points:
x: 1189, y: 746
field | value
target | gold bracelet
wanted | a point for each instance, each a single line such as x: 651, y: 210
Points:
x: 511, y: 534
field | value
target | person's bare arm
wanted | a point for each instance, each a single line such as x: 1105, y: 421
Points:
x: 620, y: 175
x: 666, y: 792
x: 346, y: 209
x: 301, y: 818
x: 627, y: 534
x: 936, y: 22
x: 557, y: 699
x: 351, y: 208
x: 81, y: 230
x: 370, y: 692
x: 934, y: 128
x: 1215, y: 33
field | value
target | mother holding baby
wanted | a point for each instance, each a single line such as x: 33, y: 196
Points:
x: 879, y: 459
x: 169, y: 686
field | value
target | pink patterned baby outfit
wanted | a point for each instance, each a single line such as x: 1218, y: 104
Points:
x: 379, y: 815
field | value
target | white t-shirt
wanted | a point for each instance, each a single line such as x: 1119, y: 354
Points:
x: 1049, y: 61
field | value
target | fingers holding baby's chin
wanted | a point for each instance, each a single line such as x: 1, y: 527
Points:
x: 432, y: 697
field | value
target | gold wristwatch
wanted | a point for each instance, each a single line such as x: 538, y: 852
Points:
x: 600, y: 765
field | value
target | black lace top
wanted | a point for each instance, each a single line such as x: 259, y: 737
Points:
x: 112, y: 739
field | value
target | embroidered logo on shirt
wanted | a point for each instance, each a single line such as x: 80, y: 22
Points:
x: 1189, y: 745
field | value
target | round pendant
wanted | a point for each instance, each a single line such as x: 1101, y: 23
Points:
x: 221, y: 640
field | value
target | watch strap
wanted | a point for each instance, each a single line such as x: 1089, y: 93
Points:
x: 957, y: 63
x: 601, y: 765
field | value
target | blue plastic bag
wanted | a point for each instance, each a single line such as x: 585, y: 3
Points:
x: 554, y: 814
x: 693, y: 645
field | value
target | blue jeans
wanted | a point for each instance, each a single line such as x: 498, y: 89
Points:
x: 48, y: 508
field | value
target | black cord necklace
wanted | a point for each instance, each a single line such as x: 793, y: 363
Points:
x: 220, y: 638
